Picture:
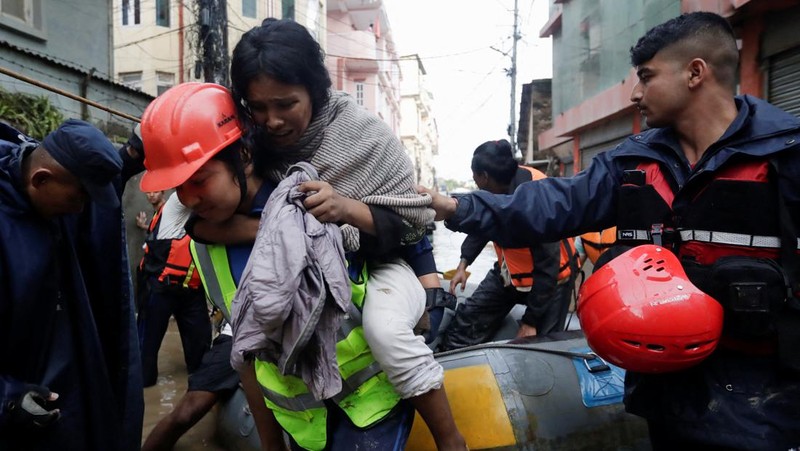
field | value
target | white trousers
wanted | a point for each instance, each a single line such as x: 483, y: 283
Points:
x: 394, y: 302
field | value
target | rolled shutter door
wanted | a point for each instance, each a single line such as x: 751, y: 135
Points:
x: 784, y: 81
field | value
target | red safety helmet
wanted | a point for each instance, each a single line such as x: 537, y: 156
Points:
x: 640, y: 312
x: 182, y: 129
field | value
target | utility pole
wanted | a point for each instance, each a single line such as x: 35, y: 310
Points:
x: 213, y: 39
x: 512, y: 127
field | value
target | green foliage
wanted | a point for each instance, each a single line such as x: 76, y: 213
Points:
x: 33, y: 115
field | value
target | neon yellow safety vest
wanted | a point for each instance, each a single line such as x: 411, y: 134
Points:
x: 367, y: 396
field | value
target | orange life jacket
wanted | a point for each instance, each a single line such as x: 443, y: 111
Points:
x: 595, y: 243
x: 169, y: 260
x: 519, y: 261
x: 570, y: 260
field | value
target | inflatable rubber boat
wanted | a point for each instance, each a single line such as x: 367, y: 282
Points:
x: 537, y: 393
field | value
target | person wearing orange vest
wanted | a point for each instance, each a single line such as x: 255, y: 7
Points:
x: 593, y: 246
x: 715, y: 180
x: 171, y: 288
x: 596, y: 243
x: 540, y: 277
x: 156, y: 199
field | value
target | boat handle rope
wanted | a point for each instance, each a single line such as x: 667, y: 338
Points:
x: 585, y: 356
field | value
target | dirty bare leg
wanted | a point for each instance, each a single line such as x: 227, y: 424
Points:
x: 435, y: 410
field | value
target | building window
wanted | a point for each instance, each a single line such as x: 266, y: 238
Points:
x: 360, y: 93
x: 287, y: 9
x: 131, y: 12
x: 249, y: 9
x: 22, y: 15
x: 164, y: 81
x: 132, y: 80
x: 162, y: 13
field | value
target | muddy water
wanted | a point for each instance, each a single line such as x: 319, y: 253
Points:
x: 162, y: 397
x: 447, y: 252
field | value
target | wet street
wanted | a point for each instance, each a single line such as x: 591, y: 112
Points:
x: 161, y: 398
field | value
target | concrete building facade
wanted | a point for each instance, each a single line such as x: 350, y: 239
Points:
x: 156, y: 42
x: 71, y: 56
x: 418, y: 129
x: 593, y: 79
x: 156, y: 45
x: 361, y: 56
x: 363, y: 62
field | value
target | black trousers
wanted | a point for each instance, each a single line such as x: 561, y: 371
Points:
x: 157, y: 305
x: 479, y: 317
x: 729, y: 401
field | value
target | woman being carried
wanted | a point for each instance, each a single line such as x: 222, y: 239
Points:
x: 290, y: 115
x: 203, y: 158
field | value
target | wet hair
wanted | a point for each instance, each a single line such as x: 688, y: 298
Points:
x: 233, y: 159
x: 694, y: 35
x: 285, y: 51
x: 231, y: 155
x: 496, y: 159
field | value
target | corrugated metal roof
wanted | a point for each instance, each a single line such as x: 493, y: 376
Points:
x: 73, y: 67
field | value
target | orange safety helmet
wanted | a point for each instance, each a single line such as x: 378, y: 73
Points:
x: 641, y: 312
x: 182, y: 129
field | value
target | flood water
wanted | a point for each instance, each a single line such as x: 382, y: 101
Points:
x: 161, y: 398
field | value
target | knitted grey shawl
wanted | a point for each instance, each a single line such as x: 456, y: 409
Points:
x: 359, y: 155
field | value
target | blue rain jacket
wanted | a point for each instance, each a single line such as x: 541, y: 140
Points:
x: 558, y: 207
x: 733, y: 400
x: 66, y: 318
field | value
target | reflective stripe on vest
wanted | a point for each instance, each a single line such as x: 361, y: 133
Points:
x: 220, y: 287
x: 734, y: 239
x: 710, y: 223
x: 291, y: 393
x: 716, y: 220
x: 367, y: 396
x: 295, y: 409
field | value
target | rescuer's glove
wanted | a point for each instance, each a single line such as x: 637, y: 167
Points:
x: 30, y: 409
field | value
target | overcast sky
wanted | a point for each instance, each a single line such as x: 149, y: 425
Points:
x: 468, y: 79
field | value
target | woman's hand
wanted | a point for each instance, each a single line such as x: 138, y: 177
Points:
x: 329, y: 206
x: 325, y: 203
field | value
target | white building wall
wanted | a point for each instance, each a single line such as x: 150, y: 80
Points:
x: 361, y: 50
x: 159, y: 53
x: 418, y: 129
